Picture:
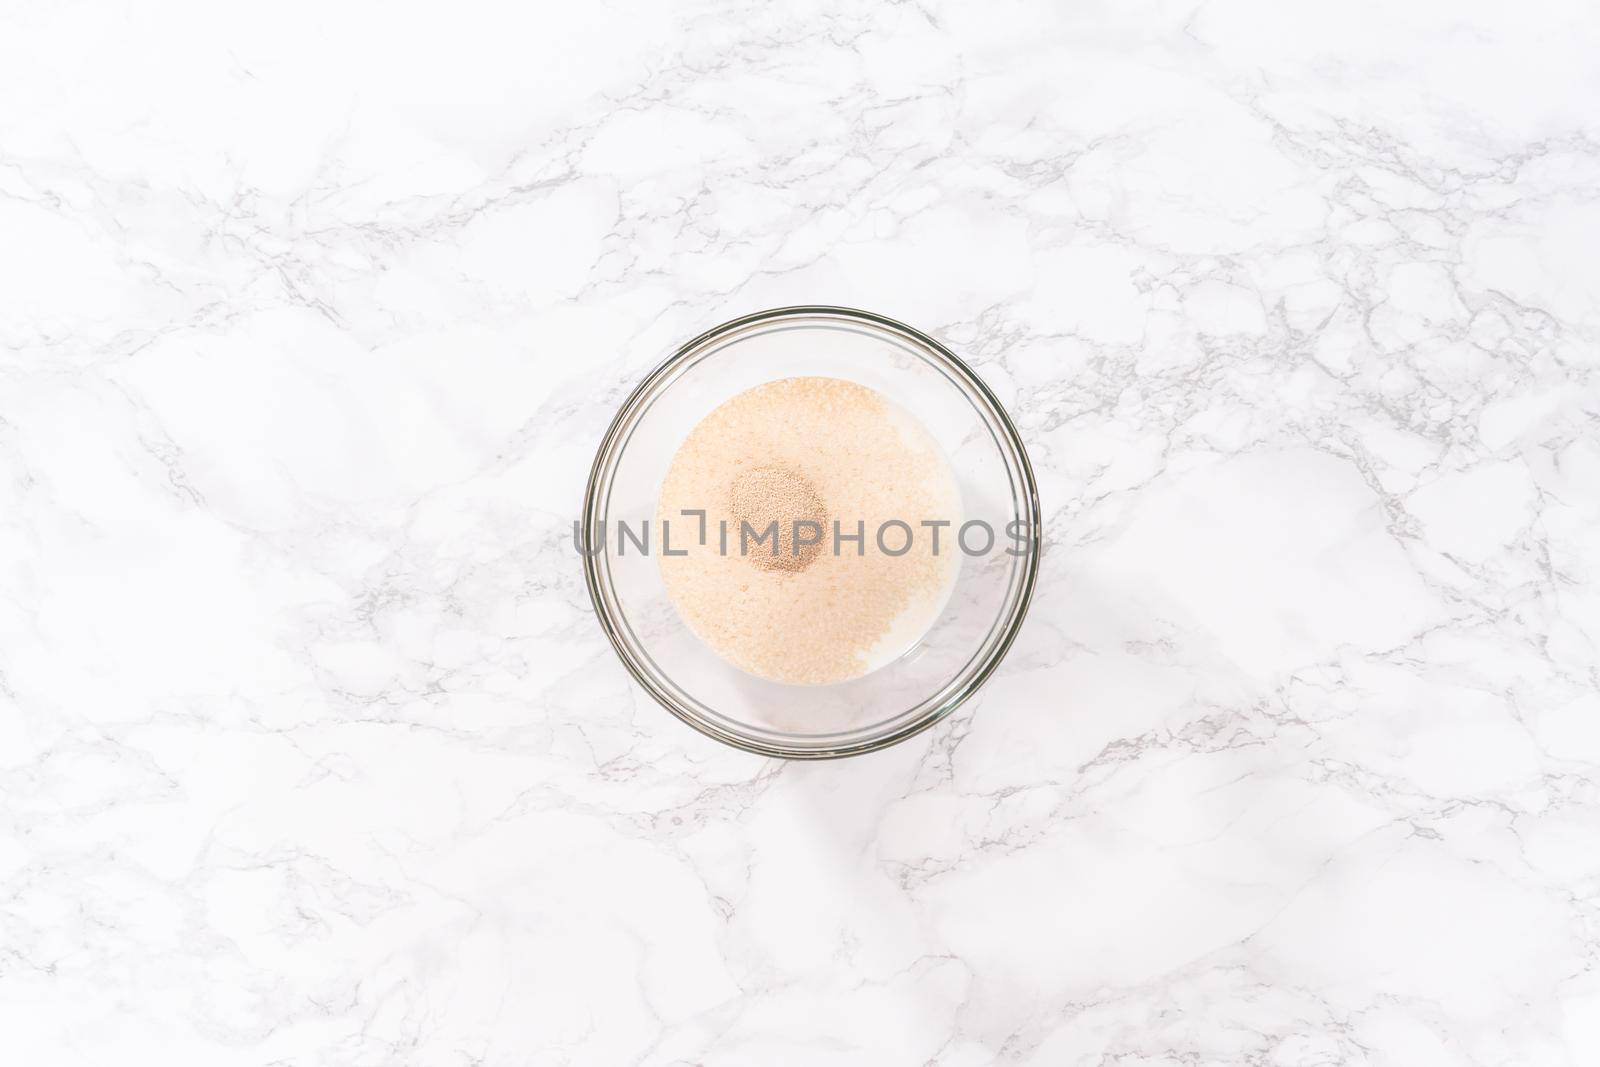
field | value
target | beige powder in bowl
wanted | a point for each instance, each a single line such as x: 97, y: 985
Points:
x: 841, y: 459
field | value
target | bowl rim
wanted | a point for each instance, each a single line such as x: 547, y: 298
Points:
x: 645, y: 677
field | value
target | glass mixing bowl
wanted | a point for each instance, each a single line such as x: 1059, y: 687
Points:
x: 986, y: 604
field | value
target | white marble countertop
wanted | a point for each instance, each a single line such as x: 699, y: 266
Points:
x: 311, y: 750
